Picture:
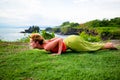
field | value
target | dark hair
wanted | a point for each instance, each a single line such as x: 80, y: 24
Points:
x: 40, y: 41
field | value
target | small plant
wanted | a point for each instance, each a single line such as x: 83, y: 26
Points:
x: 47, y: 35
x: 24, y: 39
x: 90, y: 38
x: 0, y: 40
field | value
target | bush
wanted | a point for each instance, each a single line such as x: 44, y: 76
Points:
x: 64, y: 30
x: 90, y: 38
x: 1, y: 40
x: 47, y: 35
x: 24, y: 39
x: 56, y: 30
x: 116, y: 34
x: 107, y: 33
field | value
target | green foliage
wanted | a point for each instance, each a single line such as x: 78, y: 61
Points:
x: 64, y: 30
x: 93, y: 23
x: 90, y: 38
x: 68, y: 24
x: 106, y: 28
x: 98, y: 23
x: 104, y: 22
x: 56, y: 30
x: 18, y: 62
x: 116, y: 34
x: 24, y: 39
x: 48, y: 29
x: 74, y: 24
x: 0, y: 40
x: 65, y: 23
x: 47, y: 35
x: 115, y: 22
x: 107, y: 33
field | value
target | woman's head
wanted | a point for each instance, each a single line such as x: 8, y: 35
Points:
x: 36, y: 39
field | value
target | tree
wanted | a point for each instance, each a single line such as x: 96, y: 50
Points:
x: 96, y: 23
x: 115, y: 21
x: 65, y: 23
x: 104, y: 22
x: 74, y: 24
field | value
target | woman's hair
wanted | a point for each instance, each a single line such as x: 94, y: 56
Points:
x: 37, y: 37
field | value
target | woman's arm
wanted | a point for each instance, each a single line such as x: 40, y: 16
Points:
x: 53, y: 39
x: 56, y: 42
x: 60, y: 46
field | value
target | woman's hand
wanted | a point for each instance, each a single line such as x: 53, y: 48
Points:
x: 51, y: 45
x: 55, y: 54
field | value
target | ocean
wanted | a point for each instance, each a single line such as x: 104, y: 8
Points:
x: 13, y: 33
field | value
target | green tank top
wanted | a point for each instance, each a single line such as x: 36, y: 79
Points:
x: 77, y: 43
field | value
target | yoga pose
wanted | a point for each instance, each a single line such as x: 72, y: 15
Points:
x: 73, y: 42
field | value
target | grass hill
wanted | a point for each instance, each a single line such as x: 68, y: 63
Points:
x: 19, y: 62
x: 105, y: 29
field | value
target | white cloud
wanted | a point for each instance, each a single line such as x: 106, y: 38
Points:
x: 79, y: 1
x: 20, y: 10
x: 53, y: 12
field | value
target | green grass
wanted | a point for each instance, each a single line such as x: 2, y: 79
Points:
x: 18, y: 62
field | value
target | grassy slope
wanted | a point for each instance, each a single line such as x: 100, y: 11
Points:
x: 18, y: 62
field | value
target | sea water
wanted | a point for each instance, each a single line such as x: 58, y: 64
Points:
x: 13, y: 33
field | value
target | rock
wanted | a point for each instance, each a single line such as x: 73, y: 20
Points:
x: 31, y: 29
x: 22, y: 32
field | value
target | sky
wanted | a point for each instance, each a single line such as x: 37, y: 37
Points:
x: 55, y: 12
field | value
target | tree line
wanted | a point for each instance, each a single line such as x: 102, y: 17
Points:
x: 106, y: 28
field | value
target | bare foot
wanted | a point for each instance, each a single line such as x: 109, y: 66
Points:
x: 109, y: 45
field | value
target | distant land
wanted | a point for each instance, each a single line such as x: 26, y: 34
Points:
x: 13, y: 26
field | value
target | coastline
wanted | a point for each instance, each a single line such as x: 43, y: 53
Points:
x: 13, y: 33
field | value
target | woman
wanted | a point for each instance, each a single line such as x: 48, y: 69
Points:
x: 58, y: 45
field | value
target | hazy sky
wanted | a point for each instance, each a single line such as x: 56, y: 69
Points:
x: 55, y: 12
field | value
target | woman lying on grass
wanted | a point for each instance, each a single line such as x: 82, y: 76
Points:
x: 73, y: 42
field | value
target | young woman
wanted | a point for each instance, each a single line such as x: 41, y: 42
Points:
x: 73, y: 42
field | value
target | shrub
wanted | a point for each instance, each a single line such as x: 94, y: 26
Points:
x: 90, y: 38
x: 64, y: 30
x: 0, y: 40
x: 24, y: 39
x: 47, y: 35
x: 116, y: 34
x: 56, y: 30
x: 107, y: 33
